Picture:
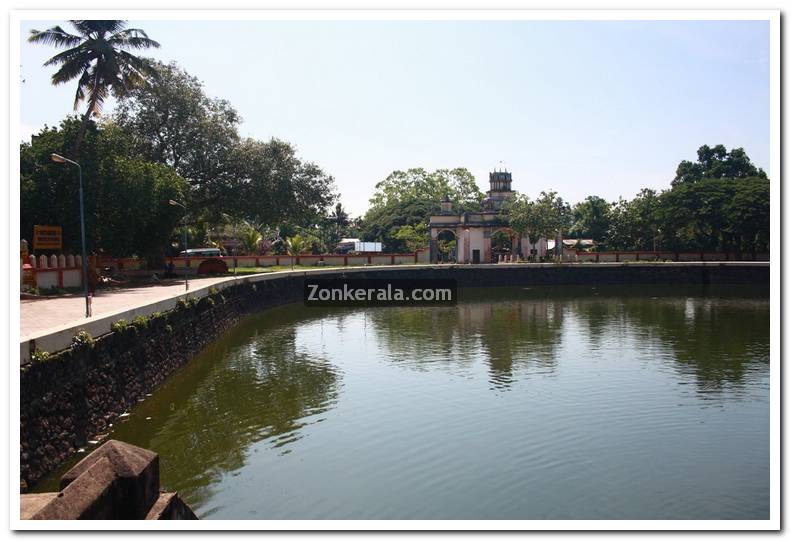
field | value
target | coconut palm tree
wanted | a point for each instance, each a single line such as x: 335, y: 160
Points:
x: 294, y: 246
x: 97, y: 55
x: 341, y: 219
x: 251, y: 238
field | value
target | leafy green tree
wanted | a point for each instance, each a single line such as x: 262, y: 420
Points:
x: 126, y: 198
x: 275, y: 186
x: 410, y: 197
x: 174, y: 122
x: 459, y: 184
x: 716, y: 214
x: 554, y: 215
x: 748, y: 215
x: 717, y: 162
x: 381, y: 223
x: 634, y: 224
x: 523, y: 218
x: 99, y: 55
x: 591, y: 219
x: 265, y: 183
x: 692, y: 215
x: 413, y: 237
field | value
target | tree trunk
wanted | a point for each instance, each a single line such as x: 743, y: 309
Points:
x: 75, y: 147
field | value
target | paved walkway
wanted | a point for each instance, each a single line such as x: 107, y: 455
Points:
x: 41, y: 314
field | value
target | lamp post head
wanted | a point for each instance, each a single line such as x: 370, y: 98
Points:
x: 57, y: 158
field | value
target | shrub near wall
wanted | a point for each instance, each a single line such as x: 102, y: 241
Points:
x: 69, y: 398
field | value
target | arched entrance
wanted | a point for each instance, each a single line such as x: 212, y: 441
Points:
x: 447, y: 246
x: 503, y: 243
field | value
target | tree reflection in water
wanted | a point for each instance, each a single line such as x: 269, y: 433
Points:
x: 507, y: 334
x: 258, y: 392
x: 229, y: 398
x: 712, y: 332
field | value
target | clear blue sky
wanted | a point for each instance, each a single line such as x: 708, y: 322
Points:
x: 583, y: 108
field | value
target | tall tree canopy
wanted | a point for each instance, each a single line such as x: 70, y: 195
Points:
x: 174, y: 122
x: 716, y: 214
x: 99, y: 56
x: 524, y: 218
x: 634, y: 224
x: 458, y: 184
x: 544, y: 216
x: 408, y: 198
x: 717, y: 162
x: 126, y: 197
x: 592, y: 218
x: 555, y: 214
x: 275, y: 186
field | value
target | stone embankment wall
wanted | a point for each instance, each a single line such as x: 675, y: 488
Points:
x: 68, y: 398
x: 71, y: 397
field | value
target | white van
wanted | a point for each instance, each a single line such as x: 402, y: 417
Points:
x: 201, y: 252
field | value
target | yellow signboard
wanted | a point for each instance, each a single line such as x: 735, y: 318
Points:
x: 47, y: 237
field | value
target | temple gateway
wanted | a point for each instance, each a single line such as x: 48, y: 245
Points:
x: 483, y: 236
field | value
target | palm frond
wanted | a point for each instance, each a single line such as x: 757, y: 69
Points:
x: 69, y: 54
x: 69, y: 70
x: 54, y: 36
x: 138, y: 68
x: 82, y: 87
x: 134, y: 38
x: 96, y: 98
x: 100, y: 27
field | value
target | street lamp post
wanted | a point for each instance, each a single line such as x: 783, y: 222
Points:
x: 186, y: 254
x: 57, y: 158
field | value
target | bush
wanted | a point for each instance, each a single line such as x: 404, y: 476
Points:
x: 82, y: 340
x: 40, y: 356
x: 168, y: 328
x: 140, y: 322
x: 120, y: 326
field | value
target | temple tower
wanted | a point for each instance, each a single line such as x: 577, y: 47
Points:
x: 499, y: 190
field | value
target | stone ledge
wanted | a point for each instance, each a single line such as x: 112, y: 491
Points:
x: 169, y: 506
x: 117, y: 481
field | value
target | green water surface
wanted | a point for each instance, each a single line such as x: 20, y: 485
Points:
x: 528, y: 403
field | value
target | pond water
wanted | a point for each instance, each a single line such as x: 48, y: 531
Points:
x: 529, y: 403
